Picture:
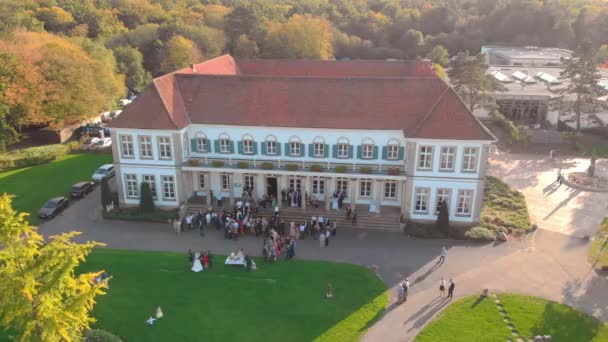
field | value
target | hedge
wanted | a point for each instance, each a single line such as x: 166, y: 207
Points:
x: 480, y: 234
x: 32, y: 156
x: 136, y: 214
x: 98, y: 335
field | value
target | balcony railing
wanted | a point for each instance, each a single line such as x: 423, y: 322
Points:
x: 392, y: 169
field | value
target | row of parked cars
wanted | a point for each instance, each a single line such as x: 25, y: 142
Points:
x: 55, y: 205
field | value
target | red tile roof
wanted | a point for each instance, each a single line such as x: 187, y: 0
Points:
x: 308, y: 94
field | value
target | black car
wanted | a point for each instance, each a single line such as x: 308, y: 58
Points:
x: 79, y: 190
x: 52, y: 207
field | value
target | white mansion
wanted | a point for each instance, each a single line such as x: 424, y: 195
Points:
x: 387, y: 133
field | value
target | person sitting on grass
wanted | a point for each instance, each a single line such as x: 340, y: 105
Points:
x: 330, y: 292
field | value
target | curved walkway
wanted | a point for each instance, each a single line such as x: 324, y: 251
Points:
x: 546, y: 264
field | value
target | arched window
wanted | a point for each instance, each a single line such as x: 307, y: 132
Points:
x: 225, y: 146
x: 202, y: 144
x: 392, y: 149
x: 271, y: 145
x: 343, y: 148
x: 367, y: 149
x: 319, y: 147
x: 247, y: 144
x: 295, y: 147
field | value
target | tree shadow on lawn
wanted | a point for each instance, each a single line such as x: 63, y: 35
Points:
x: 566, y: 325
x: 427, y: 312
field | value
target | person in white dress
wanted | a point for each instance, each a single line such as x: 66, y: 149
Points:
x: 196, y: 265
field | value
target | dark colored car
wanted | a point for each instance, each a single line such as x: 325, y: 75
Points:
x: 53, y: 207
x: 79, y: 190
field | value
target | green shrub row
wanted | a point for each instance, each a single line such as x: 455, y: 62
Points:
x: 136, y: 214
x: 32, y: 156
x: 480, y: 234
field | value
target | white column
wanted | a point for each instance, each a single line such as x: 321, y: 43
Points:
x: 378, y: 198
x: 260, y: 185
x: 352, y: 196
x: 231, y: 198
x: 328, y: 191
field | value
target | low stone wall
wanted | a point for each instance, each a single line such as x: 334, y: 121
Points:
x: 582, y: 187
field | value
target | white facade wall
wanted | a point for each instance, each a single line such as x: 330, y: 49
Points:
x: 154, y: 134
x: 454, y: 186
x: 158, y: 172
x: 458, y: 159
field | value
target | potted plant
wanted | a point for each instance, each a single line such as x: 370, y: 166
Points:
x: 267, y: 166
x: 340, y: 169
x: 292, y: 167
x: 194, y: 162
x: 316, y: 168
x: 393, y: 171
x: 366, y: 169
x: 243, y: 165
x: 217, y: 163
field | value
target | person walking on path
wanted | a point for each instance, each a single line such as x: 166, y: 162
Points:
x: 322, y: 239
x: 442, y: 288
x: 444, y: 253
x: 451, y: 288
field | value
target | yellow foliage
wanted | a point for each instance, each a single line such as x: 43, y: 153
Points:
x: 302, y: 36
x: 41, y: 297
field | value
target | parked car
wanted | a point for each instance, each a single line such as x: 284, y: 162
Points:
x: 104, y: 172
x: 124, y: 102
x: 86, y: 145
x: 115, y: 113
x: 80, y: 189
x: 100, y: 144
x: 52, y: 207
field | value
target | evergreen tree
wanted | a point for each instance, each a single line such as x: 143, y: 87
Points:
x: 146, y: 201
x: 469, y: 78
x: 443, y: 218
x: 41, y: 296
x: 106, y: 193
x: 582, y: 93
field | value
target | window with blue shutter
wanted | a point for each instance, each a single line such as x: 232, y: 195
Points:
x: 302, y: 150
x: 311, y: 150
x: 287, y: 149
x: 278, y: 149
x: 193, y: 147
x: 216, y: 145
x: 231, y: 146
x: 350, y: 151
x: 326, y: 151
x: 384, y: 152
x: 359, y: 152
x: 375, y: 156
x: 264, y: 148
x: 240, y: 147
x: 334, y: 151
x: 255, y: 147
x: 401, y: 153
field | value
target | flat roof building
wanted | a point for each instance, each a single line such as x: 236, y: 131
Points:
x: 524, y: 56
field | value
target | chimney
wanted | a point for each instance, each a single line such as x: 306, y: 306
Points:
x: 193, y: 67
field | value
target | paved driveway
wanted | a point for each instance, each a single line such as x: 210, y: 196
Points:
x: 552, y: 207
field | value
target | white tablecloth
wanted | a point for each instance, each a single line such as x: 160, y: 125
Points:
x: 240, y: 262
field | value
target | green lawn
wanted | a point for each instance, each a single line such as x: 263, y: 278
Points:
x: 283, y: 301
x: 503, y: 207
x: 469, y: 319
x: 32, y: 186
x: 598, y: 252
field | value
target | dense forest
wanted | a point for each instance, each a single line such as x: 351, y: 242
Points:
x: 61, y: 60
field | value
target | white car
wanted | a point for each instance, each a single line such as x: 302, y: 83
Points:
x: 86, y: 145
x: 100, y: 144
x: 115, y: 113
x: 104, y: 172
x: 124, y: 102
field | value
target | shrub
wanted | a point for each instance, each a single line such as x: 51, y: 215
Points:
x: 32, y: 156
x: 146, y: 200
x: 443, y: 219
x: 340, y: 169
x: 194, y: 162
x: 267, y: 166
x: 106, y: 194
x: 217, y: 163
x: 503, y: 207
x: 393, y: 171
x: 135, y: 214
x: 514, y: 134
x: 242, y: 165
x: 423, y: 230
x: 480, y: 234
x: 98, y: 335
x: 75, y: 146
x: 292, y: 167
x: 366, y: 169
x: 316, y: 168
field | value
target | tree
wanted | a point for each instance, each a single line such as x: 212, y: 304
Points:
x: 302, y: 36
x: 469, y: 78
x: 411, y: 43
x: 130, y: 62
x: 439, y: 71
x: 146, y: 201
x: 179, y: 52
x: 55, y: 19
x: 582, y: 92
x: 439, y: 55
x: 106, y: 193
x: 8, y: 135
x: 245, y: 48
x: 443, y: 218
x: 42, y: 297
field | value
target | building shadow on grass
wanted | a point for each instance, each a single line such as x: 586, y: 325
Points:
x: 424, y: 314
x: 566, y: 324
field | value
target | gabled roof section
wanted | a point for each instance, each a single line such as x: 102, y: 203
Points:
x: 328, y: 68
x: 172, y: 99
x: 450, y: 118
x: 146, y: 112
x: 222, y: 65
